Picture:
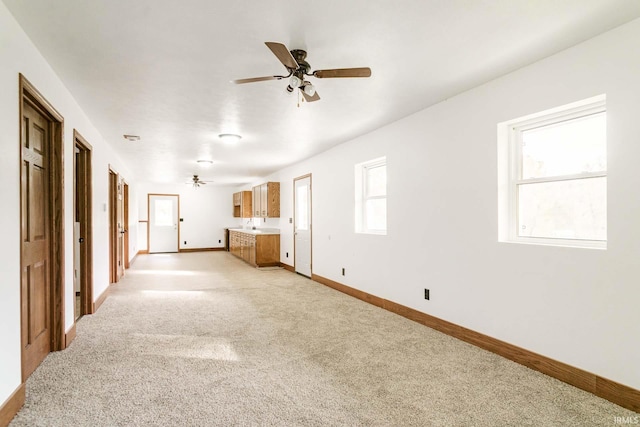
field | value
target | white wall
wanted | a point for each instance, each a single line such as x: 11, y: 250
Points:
x: 18, y: 55
x: 578, y: 306
x: 206, y: 212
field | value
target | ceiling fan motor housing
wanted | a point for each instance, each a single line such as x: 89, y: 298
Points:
x: 303, y: 66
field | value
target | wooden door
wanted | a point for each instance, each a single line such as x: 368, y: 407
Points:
x: 35, y: 281
x: 83, y: 240
x: 113, y: 227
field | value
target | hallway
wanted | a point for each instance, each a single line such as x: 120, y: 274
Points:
x: 202, y: 339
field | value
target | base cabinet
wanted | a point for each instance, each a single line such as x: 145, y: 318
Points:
x: 259, y: 250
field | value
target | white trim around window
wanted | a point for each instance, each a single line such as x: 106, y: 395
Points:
x: 550, y: 195
x: 371, y: 196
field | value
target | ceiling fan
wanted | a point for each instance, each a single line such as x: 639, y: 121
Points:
x: 298, y: 69
x: 196, y: 181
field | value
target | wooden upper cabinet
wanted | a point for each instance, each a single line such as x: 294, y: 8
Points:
x: 242, y: 204
x: 266, y: 200
x: 256, y: 201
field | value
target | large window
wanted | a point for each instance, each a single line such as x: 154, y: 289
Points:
x: 371, y: 196
x: 557, y: 176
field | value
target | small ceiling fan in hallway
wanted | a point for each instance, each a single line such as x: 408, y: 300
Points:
x: 298, y: 69
x: 196, y: 181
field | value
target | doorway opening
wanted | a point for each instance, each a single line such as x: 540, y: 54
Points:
x: 42, y: 228
x: 83, y: 230
x: 302, y: 235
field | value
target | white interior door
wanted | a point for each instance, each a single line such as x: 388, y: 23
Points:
x: 302, y: 226
x: 163, y: 223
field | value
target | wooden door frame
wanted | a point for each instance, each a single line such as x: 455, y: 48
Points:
x: 55, y: 162
x: 149, y: 216
x: 310, y: 221
x: 85, y: 217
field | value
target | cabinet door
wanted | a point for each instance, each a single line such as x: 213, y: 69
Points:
x: 264, y: 200
x: 246, y: 205
x: 252, y: 250
x: 256, y: 202
x: 273, y: 200
x: 232, y: 242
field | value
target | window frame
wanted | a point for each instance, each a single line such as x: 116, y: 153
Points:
x: 515, y: 130
x: 362, y: 196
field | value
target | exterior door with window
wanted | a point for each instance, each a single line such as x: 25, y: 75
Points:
x: 163, y: 223
x: 302, y: 226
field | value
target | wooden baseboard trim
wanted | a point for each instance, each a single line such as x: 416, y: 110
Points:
x: 96, y: 305
x: 70, y: 336
x: 133, y: 259
x: 12, y: 405
x: 619, y: 394
x: 200, y: 249
x: 142, y: 252
x: 288, y: 267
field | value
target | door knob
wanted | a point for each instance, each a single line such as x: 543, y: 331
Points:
x: 81, y: 240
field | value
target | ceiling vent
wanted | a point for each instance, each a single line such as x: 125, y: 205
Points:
x: 132, y: 138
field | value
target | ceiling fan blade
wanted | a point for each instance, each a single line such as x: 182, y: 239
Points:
x: 255, y: 79
x: 283, y: 54
x: 308, y: 98
x: 343, y: 72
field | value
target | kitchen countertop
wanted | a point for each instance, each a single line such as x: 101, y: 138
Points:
x: 257, y: 230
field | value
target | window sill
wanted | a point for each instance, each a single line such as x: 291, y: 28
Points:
x: 375, y: 233
x: 562, y: 243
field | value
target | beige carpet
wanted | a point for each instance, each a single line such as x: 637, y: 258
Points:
x: 202, y: 339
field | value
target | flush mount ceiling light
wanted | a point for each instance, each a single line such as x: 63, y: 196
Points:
x: 132, y: 138
x: 229, y: 138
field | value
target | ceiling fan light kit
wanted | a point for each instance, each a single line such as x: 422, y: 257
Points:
x: 297, y: 67
x: 196, y: 182
x: 309, y: 89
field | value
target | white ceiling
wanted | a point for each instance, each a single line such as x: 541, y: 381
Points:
x: 162, y: 69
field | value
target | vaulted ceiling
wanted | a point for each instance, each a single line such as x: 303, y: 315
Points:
x: 163, y: 69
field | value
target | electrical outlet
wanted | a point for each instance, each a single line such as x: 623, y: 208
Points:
x: 343, y: 271
x: 219, y: 241
x: 287, y: 254
x: 185, y: 242
x: 426, y: 294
